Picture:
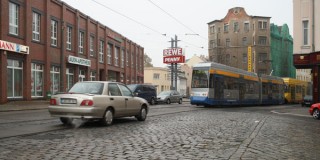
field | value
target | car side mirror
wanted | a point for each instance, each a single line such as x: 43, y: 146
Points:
x: 135, y: 94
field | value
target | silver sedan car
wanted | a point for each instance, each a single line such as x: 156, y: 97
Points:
x: 169, y: 97
x: 97, y: 100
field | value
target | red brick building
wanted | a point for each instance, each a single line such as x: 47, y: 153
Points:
x: 47, y: 46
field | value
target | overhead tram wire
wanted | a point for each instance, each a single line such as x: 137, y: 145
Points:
x: 176, y: 19
x: 138, y: 21
x: 129, y: 18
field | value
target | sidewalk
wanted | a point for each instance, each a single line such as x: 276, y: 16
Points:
x: 24, y: 105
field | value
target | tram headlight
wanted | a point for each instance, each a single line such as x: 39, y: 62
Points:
x: 205, y: 94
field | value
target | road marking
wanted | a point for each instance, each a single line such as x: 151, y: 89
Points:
x: 290, y: 114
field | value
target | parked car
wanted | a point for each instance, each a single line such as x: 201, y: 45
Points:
x: 169, y: 97
x: 307, y: 101
x: 146, y: 91
x: 314, y: 110
x: 97, y: 100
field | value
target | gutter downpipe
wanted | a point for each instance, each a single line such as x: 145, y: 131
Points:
x: 313, y: 8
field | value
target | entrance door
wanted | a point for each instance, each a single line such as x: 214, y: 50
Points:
x: 15, y: 78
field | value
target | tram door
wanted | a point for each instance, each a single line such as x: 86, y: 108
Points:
x: 218, y: 87
x: 242, y: 90
x: 293, y: 93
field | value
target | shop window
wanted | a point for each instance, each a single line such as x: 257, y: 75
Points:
x: 14, y: 79
x: 70, y: 78
x: 92, y: 76
x: 54, y: 79
x: 37, y: 80
x: 82, y: 75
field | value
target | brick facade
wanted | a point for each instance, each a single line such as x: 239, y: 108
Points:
x: 43, y: 53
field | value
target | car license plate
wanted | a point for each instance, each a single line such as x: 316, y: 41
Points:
x: 68, y: 101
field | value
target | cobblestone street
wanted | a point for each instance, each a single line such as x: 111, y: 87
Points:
x: 202, y: 134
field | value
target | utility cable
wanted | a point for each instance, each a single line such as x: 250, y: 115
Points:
x: 129, y: 18
x: 176, y: 19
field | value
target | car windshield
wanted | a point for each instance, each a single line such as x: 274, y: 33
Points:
x: 87, y: 88
x: 165, y: 93
x: 307, y: 97
x: 132, y: 87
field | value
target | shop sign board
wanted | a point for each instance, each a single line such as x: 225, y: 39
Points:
x: 173, y: 55
x: 79, y: 61
x: 14, y: 47
x: 249, y: 59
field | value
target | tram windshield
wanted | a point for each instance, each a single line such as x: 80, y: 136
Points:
x: 200, y: 79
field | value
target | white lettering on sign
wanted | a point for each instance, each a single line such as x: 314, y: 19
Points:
x: 174, y: 59
x: 173, y: 52
x: 14, y: 47
x: 79, y: 61
x: 171, y: 59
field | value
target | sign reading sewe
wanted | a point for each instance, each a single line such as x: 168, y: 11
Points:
x: 173, y: 55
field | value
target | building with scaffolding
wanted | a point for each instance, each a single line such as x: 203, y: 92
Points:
x: 282, y: 51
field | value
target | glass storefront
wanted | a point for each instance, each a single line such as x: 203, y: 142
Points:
x: 54, y: 79
x: 36, y: 80
x: 82, y: 75
x: 15, y: 78
x: 70, y: 78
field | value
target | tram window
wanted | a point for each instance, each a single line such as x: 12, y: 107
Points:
x: 298, y: 89
x: 199, y: 79
x: 211, y: 81
x: 264, y: 89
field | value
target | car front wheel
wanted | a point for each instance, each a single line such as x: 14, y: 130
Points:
x: 152, y: 102
x: 316, y: 114
x: 168, y: 101
x: 142, y: 115
x: 66, y: 121
x: 107, y: 119
x: 180, y: 101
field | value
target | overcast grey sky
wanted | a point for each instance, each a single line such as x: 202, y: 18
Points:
x: 145, y: 21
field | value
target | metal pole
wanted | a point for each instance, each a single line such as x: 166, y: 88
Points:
x: 176, y: 66
x: 172, y: 69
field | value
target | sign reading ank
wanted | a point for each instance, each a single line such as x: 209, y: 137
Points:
x: 173, y: 55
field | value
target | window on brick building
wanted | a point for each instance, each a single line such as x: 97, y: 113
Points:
x: 116, y: 56
x: 246, y: 26
x: 262, y: 40
x: 54, y: 33
x: 91, y: 46
x: 69, y: 37
x: 35, y: 26
x: 305, y: 25
x: 262, y: 24
x: 226, y: 27
x: 81, y: 42
x: 122, y: 58
x: 109, y: 50
x: 101, y: 51
x: 37, y: 80
x: 228, y: 41
x: 54, y: 79
x: 13, y: 18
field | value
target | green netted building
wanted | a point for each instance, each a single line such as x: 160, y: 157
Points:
x: 282, y: 51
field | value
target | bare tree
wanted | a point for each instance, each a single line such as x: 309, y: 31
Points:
x: 147, y: 61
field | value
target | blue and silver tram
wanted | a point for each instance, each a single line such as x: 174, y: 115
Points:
x: 217, y: 84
